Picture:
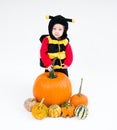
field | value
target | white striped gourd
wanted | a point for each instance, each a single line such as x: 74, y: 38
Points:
x: 81, y: 111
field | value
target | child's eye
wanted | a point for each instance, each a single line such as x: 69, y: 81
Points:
x: 54, y: 28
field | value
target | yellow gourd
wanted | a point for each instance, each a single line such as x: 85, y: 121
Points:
x: 54, y: 110
x: 40, y: 110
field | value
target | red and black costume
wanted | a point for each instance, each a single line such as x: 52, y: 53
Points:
x: 52, y: 48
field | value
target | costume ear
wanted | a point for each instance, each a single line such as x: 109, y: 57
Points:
x: 42, y: 37
x: 67, y: 19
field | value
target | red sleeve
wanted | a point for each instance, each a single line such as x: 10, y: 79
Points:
x: 69, y: 55
x: 43, y: 53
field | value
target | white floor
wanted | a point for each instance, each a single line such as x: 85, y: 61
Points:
x: 93, y: 39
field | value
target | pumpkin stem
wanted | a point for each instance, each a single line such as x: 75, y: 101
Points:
x: 51, y: 73
x: 79, y: 93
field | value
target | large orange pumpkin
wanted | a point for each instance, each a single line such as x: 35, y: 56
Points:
x: 55, y: 87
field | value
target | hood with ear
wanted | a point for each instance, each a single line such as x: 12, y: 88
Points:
x: 58, y: 20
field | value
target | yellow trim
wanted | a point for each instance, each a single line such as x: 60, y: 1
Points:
x: 56, y: 67
x: 73, y: 21
x: 51, y: 41
x: 59, y: 55
x: 47, y: 16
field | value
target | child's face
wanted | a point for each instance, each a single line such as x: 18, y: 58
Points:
x: 58, y: 30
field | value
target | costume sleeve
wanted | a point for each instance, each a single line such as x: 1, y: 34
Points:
x: 44, y: 53
x: 69, y: 55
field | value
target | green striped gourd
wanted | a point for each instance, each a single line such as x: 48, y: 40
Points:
x: 81, y: 111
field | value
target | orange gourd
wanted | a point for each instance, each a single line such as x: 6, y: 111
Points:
x: 67, y: 109
x: 79, y: 98
x: 55, y: 87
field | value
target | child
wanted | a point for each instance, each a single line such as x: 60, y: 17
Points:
x: 56, y: 45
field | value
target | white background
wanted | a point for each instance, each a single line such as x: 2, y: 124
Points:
x: 93, y: 38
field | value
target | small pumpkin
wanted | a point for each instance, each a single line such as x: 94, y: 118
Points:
x: 54, y: 110
x: 79, y: 98
x: 67, y: 109
x: 28, y: 103
x: 40, y: 110
x: 55, y: 87
x: 81, y: 111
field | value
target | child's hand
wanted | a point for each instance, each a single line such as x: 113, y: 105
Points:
x: 50, y: 68
x: 64, y: 66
